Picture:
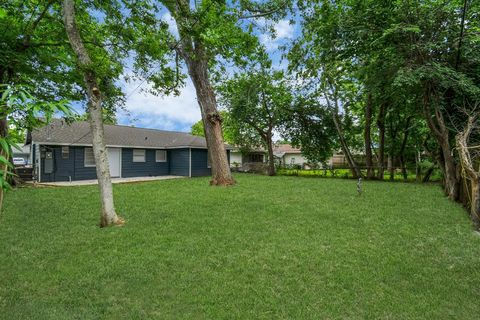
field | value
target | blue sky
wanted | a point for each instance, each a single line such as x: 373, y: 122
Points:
x: 178, y: 113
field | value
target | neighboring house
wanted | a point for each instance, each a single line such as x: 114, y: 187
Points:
x: 23, y: 153
x: 63, y: 152
x: 239, y: 159
x: 284, y: 154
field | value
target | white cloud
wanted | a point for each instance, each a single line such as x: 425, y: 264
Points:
x: 283, y: 31
x: 161, y: 112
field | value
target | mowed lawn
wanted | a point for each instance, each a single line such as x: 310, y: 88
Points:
x: 267, y: 248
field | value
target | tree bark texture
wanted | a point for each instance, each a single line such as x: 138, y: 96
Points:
x: 437, y: 126
x: 271, y: 160
x: 472, y: 176
x: 368, y: 138
x: 212, y: 121
x: 108, y: 216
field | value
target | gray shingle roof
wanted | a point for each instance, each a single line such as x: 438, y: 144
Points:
x: 78, y: 133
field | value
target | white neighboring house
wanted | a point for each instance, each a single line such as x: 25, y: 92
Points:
x: 284, y: 154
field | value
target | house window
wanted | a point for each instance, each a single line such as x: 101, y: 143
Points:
x: 65, y: 152
x: 89, y: 160
x: 161, y: 156
x: 292, y: 161
x: 255, y: 157
x: 138, y: 155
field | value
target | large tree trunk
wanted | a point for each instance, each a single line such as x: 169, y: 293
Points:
x: 271, y: 160
x: 441, y: 133
x: 381, y: 146
x: 368, y: 138
x: 108, y: 216
x: 212, y: 121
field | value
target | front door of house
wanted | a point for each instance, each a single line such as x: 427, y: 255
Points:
x: 114, y: 162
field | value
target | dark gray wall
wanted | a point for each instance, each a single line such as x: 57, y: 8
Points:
x: 199, y: 163
x: 179, y: 160
x: 72, y: 167
x: 143, y: 169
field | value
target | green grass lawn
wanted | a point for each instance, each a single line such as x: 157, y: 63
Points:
x: 269, y: 247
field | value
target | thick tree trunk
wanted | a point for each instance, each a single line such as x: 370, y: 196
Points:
x: 381, y: 146
x: 212, y: 122
x: 109, y: 216
x: 368, y: 138
x: 271, y: 160
x: 440, y: 131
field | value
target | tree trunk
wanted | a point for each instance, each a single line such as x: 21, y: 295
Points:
x: 109, y: 216
x: 367, y: 137
x: 3, y: 135
x: 381, y: 146
x: 441, y: 133
x: 469, y: 171
x: 356, y: 173
x: 403, y: 147
x: 271, y: 160
x: 212, y: 121
x: 390, y: 166
x: 418, y: 167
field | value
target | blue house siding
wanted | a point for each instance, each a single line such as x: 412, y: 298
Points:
x: 179, y: 161
x: 66, y: 169
x: 82, y: 172
x: 143, y: 169
x: 199, y: 162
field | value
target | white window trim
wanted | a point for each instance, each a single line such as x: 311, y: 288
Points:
x: 156, y: 160
x: 85, y: 158
x: 144, y: 155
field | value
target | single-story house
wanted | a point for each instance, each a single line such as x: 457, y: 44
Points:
x: 284, y: 154
x: 63, y: 152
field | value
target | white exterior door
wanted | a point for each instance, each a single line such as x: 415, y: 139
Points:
x: 114, y: 162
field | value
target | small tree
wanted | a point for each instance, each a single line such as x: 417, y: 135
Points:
x: 85, y: 63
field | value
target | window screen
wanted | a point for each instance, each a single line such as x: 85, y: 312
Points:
x: 89, y: 158
x: 138, y: 155
x: 161, y: 155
